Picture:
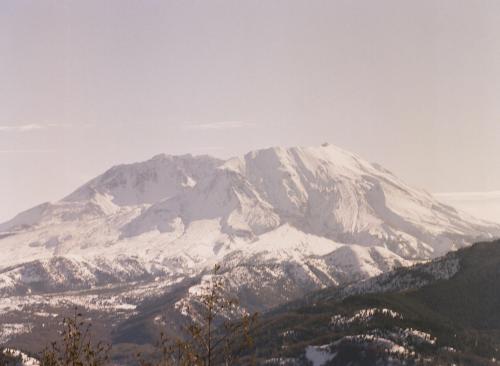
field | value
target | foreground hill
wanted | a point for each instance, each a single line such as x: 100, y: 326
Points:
x: 138, y: 240
x: 440, y: 313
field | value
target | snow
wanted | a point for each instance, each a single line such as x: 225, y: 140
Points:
x: 389, y: 345
x: 318, y: 355
x: 26, y: 218
x: 8, y: 330
x: 287, y: 241
x: 25, y: 359
x: 310, y: 216
x: 419, y: 335
x: 438, y: 269
x: 268, y: 197
x: 370, y: 261
x: 147, y: 182
x: 394, y: 342
x: 363, y: 316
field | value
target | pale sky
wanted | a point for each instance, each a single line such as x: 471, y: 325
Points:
x: 84, y: 85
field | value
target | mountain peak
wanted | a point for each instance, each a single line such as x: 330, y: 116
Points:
x: 321, y: 190
x: 280, y: 221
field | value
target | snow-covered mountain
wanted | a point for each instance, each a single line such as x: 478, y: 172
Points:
x: 281, y: 222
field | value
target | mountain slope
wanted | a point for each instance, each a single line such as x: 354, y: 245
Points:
x: 428, y: 314
x: 323, y: 191
x: 294, y: 219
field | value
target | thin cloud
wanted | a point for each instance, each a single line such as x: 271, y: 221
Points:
x: 225, y: 125
x: 22, y: 128
x: 31, y: 127
x: 24, y: 151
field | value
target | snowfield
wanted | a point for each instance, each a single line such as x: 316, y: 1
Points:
x: 281, y: 222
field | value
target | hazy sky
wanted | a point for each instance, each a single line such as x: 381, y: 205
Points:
x: 413, y: 85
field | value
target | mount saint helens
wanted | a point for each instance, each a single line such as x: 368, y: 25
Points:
x: 281, y: 222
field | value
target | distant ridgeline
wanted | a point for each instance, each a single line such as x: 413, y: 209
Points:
x: 413, y: 315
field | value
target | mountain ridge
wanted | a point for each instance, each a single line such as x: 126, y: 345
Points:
x: 306, y: 217
x: 440, y: 312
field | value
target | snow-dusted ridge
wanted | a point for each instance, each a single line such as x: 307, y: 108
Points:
x: 299, y: 218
